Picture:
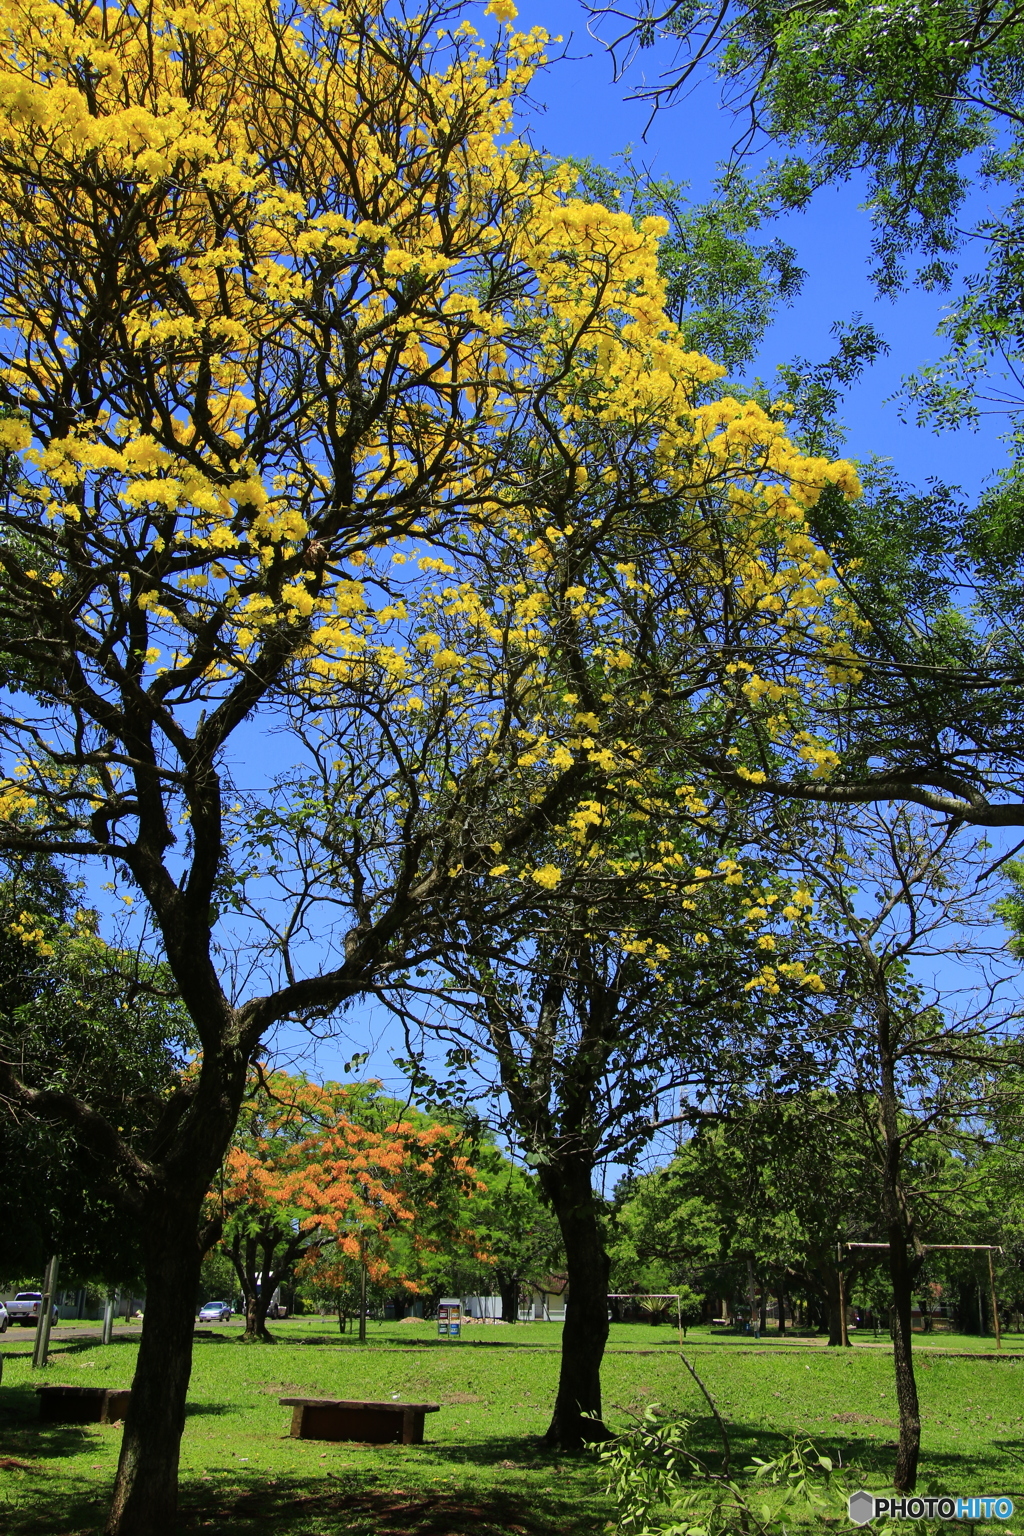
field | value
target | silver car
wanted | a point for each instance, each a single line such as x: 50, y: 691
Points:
x: 215, y: 1312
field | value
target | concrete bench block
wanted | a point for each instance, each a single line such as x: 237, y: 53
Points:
x: 83, y: 1405
x: 335, y: 1418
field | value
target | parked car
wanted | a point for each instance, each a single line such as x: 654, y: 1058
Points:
x: 215, y: 1312
x: 24, y: 1309
x: 5, y: 1318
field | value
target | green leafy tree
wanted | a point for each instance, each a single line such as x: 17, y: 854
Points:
x: 898, y: 907
x: 515, y: 1237
x: 769, y: 1189
x: 919, y: 101
x: 80, y: 1019
x: 665, y: 1237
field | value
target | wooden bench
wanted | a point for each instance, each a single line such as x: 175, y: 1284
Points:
x: 342, y: 1418
x: 83, y: 1405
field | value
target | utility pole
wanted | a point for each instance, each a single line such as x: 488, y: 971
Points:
x: 42, y: 1344
x: 108, y: 1319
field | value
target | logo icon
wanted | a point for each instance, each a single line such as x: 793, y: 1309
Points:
x: 861, y: 1507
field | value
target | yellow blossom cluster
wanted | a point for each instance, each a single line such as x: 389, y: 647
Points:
x: 29, y: 930
x: 768, y: 979
x: 176, y: 102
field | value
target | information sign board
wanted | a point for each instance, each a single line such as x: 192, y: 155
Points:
x: 449, y: 1318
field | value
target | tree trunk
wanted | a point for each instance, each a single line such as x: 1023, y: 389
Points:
x: 903, y: 1269
x: 255, y: 1295
x: 835, y: 1312
x: 508, y: 1285
x: 259, y: 1284
x: 816, y: 1313
x: 905, y: 1476
x: 577, y: 1415
x: 146, y: 1490
x: 256, y: 1331
x: 754, y: 1322
x: 782, y: 1310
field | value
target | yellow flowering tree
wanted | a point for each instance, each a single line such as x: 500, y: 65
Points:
x: 325, y: 399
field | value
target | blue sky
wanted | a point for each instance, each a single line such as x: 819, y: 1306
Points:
x: 583, y: 111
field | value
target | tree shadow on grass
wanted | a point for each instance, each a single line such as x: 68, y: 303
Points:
x: 38, y: 1495
x: 25, y: 1436
x: 48, y: 1507
x: 874, y: 1455
x: 61, y: 1347
x: 293, y: 1507
x: 855, y: 1449
x: 500, y: 1451
x: 325, y: 1506
x: 36, y: 1444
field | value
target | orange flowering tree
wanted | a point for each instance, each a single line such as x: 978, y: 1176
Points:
x: 323, y: 1177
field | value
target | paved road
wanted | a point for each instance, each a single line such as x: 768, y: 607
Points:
x: 25, y: 1337
x: 66, y: 1332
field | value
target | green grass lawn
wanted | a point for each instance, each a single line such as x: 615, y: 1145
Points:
x: 483, y: 1474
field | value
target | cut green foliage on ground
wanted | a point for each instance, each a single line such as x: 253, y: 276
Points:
x: 482, y: 1472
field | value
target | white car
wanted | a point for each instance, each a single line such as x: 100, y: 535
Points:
x: 4, y: 1318
x: 215, y: 1312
